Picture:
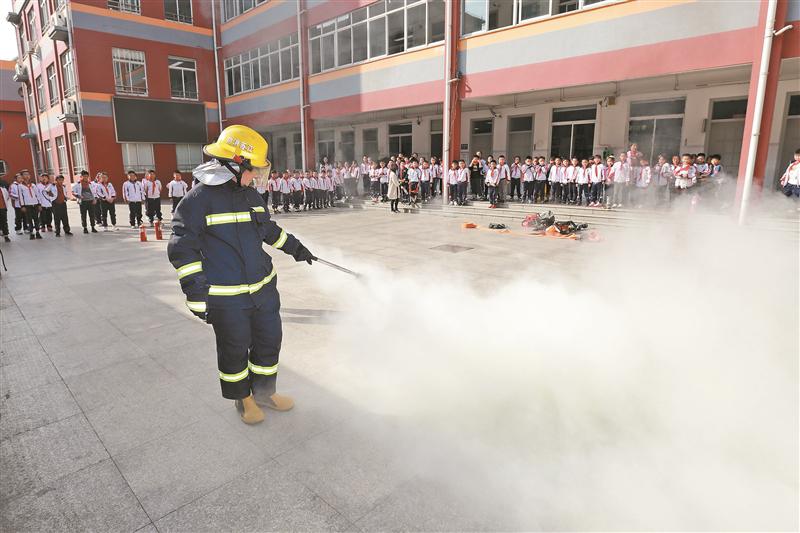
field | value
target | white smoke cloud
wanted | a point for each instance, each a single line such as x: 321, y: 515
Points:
x: 654, y: 387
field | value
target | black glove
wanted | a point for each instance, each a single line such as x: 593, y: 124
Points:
x: 302, y: 254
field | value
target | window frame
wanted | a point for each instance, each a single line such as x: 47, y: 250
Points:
x: 39, y: 84
x: 516, y: 18
x: 170, y: 60
x: 125, y: 6
x: 52, y: 84
x: 189, y: 163
x: 78, y: 156
x: 61, y: 154
x: 48, y: 156
x: 121, y: 89
x: 68, y: 72
x: 177, y: 10
x: 272, y: 53
x: 138, y: 166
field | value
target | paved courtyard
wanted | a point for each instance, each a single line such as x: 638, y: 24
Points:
x: 111, y: 417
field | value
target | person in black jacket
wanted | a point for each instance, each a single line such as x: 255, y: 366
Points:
x: 229, y: 281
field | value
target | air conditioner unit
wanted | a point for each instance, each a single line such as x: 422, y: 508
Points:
x: 14, y: 18
x: 58, y: 30
x: 69, y: 108
x: 20, y: 73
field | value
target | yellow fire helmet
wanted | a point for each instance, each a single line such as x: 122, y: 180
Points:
x: 241, y: 145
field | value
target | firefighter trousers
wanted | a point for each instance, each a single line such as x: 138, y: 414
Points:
x: 248, y: 345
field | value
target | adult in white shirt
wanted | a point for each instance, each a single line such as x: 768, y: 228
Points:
x: 176, y: 189
x: 133, y: 195
x: 29, y: 200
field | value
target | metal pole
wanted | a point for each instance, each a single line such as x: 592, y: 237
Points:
x: 448, y: 66
x: 216, y: 61
x: 300, y: 40
x: 758, y: 108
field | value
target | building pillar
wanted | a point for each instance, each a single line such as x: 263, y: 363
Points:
x: 306, y: 122
x: 451, y: 128
x: 765, y: 125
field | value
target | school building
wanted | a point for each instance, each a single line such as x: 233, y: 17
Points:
x: 15, y: 149
x: 346, y: 78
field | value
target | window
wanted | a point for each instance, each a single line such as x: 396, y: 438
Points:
x: 48, y: 157
x: 178, y: 10
x: 348, y: 145
x: 32, y: 34
x: 234, y: 8
x: 183, y: 78
x: 272, y: 63
x: 725, y: 132
x: 137, y: 156
x: 385, y: 27
x: 481, y: 136
x: 44, y: 13
x: 400, y: 139
x: 40, y: 92
x: 520, y: 136
x: 78, y: 158
x: 656, y: 126
x: 68, y: 73
x: 188, y: 156
x: 31, y: 103
x: 298, y: 150
x: 126, y: 6
x: 326, y: 147
x: 52, y: 84
x: 130, y: 72
x: 482, y: 15
x: 437, y: 138
x: 572, y: 133
x: 369, y: 140
x: 61, y: 155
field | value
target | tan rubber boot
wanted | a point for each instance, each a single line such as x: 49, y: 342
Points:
x: 279, y: 402
x: 251, y: 413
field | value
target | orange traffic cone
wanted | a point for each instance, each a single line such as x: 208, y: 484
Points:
x: 142, y: 233
x: 159, y: 235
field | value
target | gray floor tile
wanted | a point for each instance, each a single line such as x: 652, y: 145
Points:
x: 19, y: 349
x: 33, y: 459
x: 175, y: 470
x: 72, y: 359
x: 27, y: 373
x: 126, y: 382
x: 348, y: 467
x: 93, y: 499
x: 35, y: 407
x: 15, y: 330
x: 265, y: 499
x: 197, y: 357
x: 122, y: 425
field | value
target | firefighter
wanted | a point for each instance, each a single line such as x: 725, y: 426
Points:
x: 229, y: 281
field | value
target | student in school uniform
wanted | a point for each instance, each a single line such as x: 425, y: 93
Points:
x: 29, y: 200
x: 582, y: 178
x: 571, y: 190
x: 307, y: 191
x: 492, y: 183
x: 354, y: 173
x: 452, y: 183
x: 790, y: 180
x: 505, y: 176
x: 133, y: 195
x: 84, y: 194
x: 413, y: 177
x: 642, y: 183
x: 57, y: 193
x: 46, y: 214
x: 436, y: 176
x: 425, y: 181
x: 540, y: 181
x: 5, y: 201
x: 274, y: 187
x: 374, y: 182
x: 14, y: 194
x: 597, y: 174
x: 107, y: 202
x: 330, y: 181
x: 662, y: 173
x: 476, y: 177
x: 152, y: 192
x: 685, y: 174
x: 701, y: 168
x: 364, y: 169
x: 516, y: 178
x: 528, y: 180
x: 384, y: 179
x: 622, y: 179
x: 286, y: 192
x: 464, y: 177
x: 98, y: 209
x: 297, y: 190
x: 554, y: 177
x: 177, y: 188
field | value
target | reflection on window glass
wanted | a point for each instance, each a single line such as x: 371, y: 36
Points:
x: 529, y: 9
x: 416, y: 26
x: 396, y: 34
x: 345, y: 57
x: 377, y: 37
x: 474, y: 18
x: 501, y: 14
x: 435, y: 20
x: 359, y: 42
